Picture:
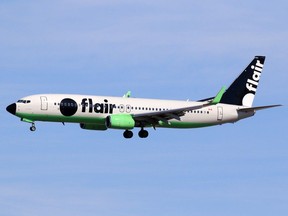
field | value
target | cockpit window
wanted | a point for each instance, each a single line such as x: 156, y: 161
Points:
x: 24, y: 101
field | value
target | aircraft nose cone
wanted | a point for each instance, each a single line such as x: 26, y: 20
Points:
x: 11, y: 108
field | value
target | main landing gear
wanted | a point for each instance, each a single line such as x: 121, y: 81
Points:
x: 142, y: 134
x: 33, y: 128
x: 128, y: 134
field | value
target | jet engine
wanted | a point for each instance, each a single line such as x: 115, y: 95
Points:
x: 120, y: 121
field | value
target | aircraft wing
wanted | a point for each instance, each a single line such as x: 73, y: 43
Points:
x: 152, y: 118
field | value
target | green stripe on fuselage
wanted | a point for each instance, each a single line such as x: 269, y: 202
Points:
x: 98, y: 120
x: 61, y: 118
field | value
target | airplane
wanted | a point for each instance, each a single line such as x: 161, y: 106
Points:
x: 125, y: 113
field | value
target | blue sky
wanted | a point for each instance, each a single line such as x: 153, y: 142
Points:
x: 156, y: 49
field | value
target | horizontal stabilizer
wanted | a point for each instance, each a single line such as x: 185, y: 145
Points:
x: 257, y: 108
x: 206, y: 99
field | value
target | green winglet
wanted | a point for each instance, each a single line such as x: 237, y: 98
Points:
x: 218, y: 97
x: 127, y: 95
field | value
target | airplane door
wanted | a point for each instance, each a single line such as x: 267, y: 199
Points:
x: 44, y: 103
x: 219, y: 113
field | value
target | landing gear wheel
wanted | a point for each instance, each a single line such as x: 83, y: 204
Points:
x: 33, y: 128
x: 143, y: 133
x: 128, y: 134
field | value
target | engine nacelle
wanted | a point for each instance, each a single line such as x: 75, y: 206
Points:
x: 120, y: 121
x: 91, y: 126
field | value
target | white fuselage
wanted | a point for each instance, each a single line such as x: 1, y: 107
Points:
x: 94, y: 110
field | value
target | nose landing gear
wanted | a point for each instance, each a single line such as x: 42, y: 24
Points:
x: 33, y: 128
